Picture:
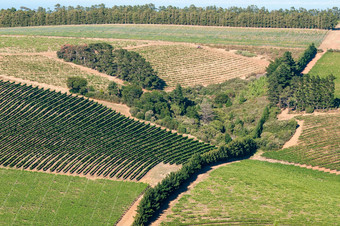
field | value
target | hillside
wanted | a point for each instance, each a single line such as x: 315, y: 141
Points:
x: 189, y: 66
x: 45, y: 199
x: 56, y: 132
x: 329, y: 64
x: 298, y: 38
x: 318, y: 145
x: 260, y: 193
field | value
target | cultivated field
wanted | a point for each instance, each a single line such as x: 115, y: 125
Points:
x: 39, y: 68
x: 193, y: 34
x: 254, y: 192
x: 188, y: 65
x: 56, y: 132
x: 34, y: 198
x: 319, y: 143
x: 33, y: 44
x: 25, y: 58
x: 329, y: 64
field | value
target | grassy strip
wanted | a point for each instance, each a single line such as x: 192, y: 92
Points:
x: 254, y: 192
x: 46, y: 199
x: 192, y: 34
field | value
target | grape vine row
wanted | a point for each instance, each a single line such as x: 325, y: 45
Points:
x: 53, y: 131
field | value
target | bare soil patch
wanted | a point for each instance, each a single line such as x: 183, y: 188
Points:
x: 158, y: 173
x: 295, y: 138
x: 129, y: 216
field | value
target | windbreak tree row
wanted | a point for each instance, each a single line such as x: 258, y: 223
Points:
x: 252, y: 16
x: 126, y: 65
x: 289, y: 88
x: 56, y: 132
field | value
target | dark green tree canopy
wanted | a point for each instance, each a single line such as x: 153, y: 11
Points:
x: 77, y: 84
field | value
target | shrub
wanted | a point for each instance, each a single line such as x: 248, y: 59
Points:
x: 77, y: 85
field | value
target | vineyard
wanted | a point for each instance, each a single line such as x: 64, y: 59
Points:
x: 35, y: 198
x: 56, y: 132
x: 293, y: 38
x: 44, y: 70
x: 260, y: 193
x: 189, y: 66
x: 33, y: 44
x: 318, y: 143
x: 329, y: 64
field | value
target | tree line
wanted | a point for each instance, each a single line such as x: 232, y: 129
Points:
x: 126, y: 65
x: 251, y: 16
x: 154, y: 197
x: 287, y: 87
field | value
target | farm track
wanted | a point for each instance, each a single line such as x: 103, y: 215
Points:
x: 284, y: 115
x: 128, y: 217
x: 332, y: 41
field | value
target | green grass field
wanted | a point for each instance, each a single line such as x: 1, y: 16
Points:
x: 192, y: 34
x: 254, y: 192
x: 318, y: 144
x: 329, y: 64
x: 34, y: 198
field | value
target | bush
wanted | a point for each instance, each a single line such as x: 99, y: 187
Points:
x: 131, y: 93
x: 309, y: 109
x: 77, y: 84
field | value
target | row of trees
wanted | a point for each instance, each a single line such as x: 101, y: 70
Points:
x: 287, y: 87
x: 252, y: 16
x: 127, y: 65
x: 154, y: 197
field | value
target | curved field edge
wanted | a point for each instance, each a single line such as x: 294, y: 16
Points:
x: 56, y: 132
x: 254, y: 192
x: 318, y: 144
x: 192, y: 34
x: 46, y: 199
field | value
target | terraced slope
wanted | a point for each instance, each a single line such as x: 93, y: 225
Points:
x: 56, y: 132
x: 189, y: 65
x: 319, y: 143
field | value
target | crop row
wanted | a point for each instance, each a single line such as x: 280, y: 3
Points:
x: 57, y: 132
x: 189, y: 66
x: 318, y: 143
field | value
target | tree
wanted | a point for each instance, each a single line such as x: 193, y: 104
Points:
x: 221, y: 99
x: 131, y: 93
x: 77, y: 84
x: 207, y: 113
x: 113, y: 89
